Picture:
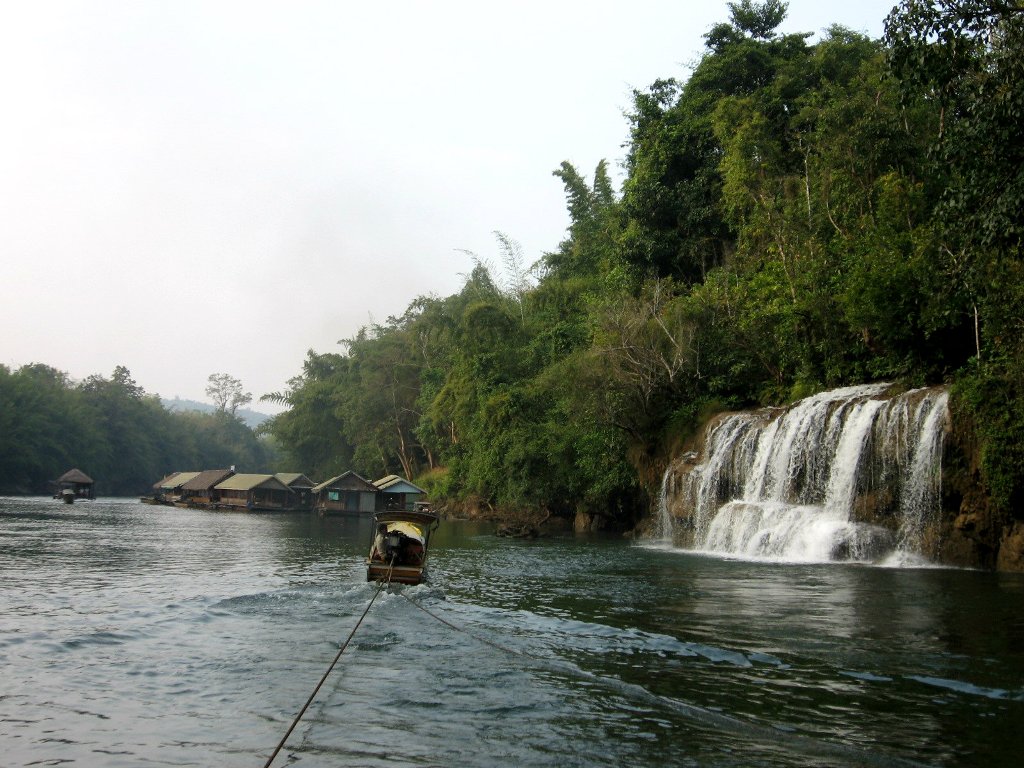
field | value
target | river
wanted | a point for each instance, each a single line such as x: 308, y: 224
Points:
x: 133, y: 635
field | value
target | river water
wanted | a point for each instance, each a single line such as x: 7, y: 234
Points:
x: 133, y: 635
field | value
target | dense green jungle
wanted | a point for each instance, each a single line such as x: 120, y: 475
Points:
x: 794, y: 216
x: 122, y: 437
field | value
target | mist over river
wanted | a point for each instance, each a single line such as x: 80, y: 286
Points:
x: 134, y: 635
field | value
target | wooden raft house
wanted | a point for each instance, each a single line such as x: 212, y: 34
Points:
x: 301, y: 488
x: 345, y: 494
x: 74, y: 484
x: 397, y: 493
x: 157, y: 495
x: 168, y: 491
x: 255, y: 493
x: 201, y: 491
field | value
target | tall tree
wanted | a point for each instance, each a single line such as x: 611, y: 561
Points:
x: 968, y: 56
x: 311, y: 432
x: 672, y: 195
x: 227, y: 393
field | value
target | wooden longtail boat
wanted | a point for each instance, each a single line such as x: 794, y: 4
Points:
x: 398, y: 552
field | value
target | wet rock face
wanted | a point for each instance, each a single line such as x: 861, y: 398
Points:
x: 518, y: 531
x: 585, y: 522
x: 1011, y: 549
x: 863, y: 543
x: 977, y: 535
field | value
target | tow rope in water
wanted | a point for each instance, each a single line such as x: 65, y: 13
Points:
x: 805, y: 744
x: 382, y: 585
x: 463, y: 630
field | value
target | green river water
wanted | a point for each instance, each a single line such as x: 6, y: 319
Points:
x: 133, y: 635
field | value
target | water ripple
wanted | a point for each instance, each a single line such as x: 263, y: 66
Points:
x: 198, y: 636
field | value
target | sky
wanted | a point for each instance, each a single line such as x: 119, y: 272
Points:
x: 189, y: 188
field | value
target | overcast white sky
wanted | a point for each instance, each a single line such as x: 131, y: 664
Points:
x: 190, y: 188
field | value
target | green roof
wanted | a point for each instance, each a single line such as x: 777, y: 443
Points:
x: 349, y: 481
x: 178, y: 480
x: 294, y: 479
x: 163, y: 482
x: 396, y: 484
x: 250, y: 482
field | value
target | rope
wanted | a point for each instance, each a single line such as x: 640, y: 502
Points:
x: 298, y: 717
x: 805, y: 744
x: 465, y: 631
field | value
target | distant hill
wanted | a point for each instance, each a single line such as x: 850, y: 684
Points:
x: 251, y: 418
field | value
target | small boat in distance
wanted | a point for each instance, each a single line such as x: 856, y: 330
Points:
x: 398, y: 552
x: 73, y: 484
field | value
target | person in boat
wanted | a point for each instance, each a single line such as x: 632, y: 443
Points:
x: 398, y: 544
x: 379, y: 547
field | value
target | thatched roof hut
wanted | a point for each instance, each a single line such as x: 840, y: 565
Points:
x: 77, y: 483
x: 75, y: 476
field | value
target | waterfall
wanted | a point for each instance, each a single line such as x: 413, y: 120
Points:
x: 849, y: 474
x: 663, y: 528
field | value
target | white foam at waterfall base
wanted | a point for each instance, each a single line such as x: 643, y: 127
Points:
x: 789, y: 533
x: 900, y: 558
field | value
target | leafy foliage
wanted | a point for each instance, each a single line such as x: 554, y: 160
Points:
x: 779, y: 231
x: 227, y: 393
x: 794, y: 216
x: 967, y: 58
x: 111, y: 429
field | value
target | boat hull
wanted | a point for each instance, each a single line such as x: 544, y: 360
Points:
x: 399, y: 574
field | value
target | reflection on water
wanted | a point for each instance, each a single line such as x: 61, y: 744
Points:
x: 132, y: 635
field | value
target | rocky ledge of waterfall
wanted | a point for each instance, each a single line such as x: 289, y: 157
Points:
x: 867, y: 474
x: 979, y: 533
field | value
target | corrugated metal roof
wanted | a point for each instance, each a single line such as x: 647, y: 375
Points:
x: 164, y: 481
x: 295, y: 479
x: 384, y: 482
x: 178, y: 480
x: 349, y: 481
x: 247, y: 482
x: 396, y: 484
x: 207, y: 479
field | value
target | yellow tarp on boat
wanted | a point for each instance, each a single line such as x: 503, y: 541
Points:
x: 408, y: 529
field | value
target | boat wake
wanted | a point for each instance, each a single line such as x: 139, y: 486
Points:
x: 577, y: 634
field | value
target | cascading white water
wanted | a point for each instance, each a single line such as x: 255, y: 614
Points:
x: 815, y: 482
x: 663, y: 528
